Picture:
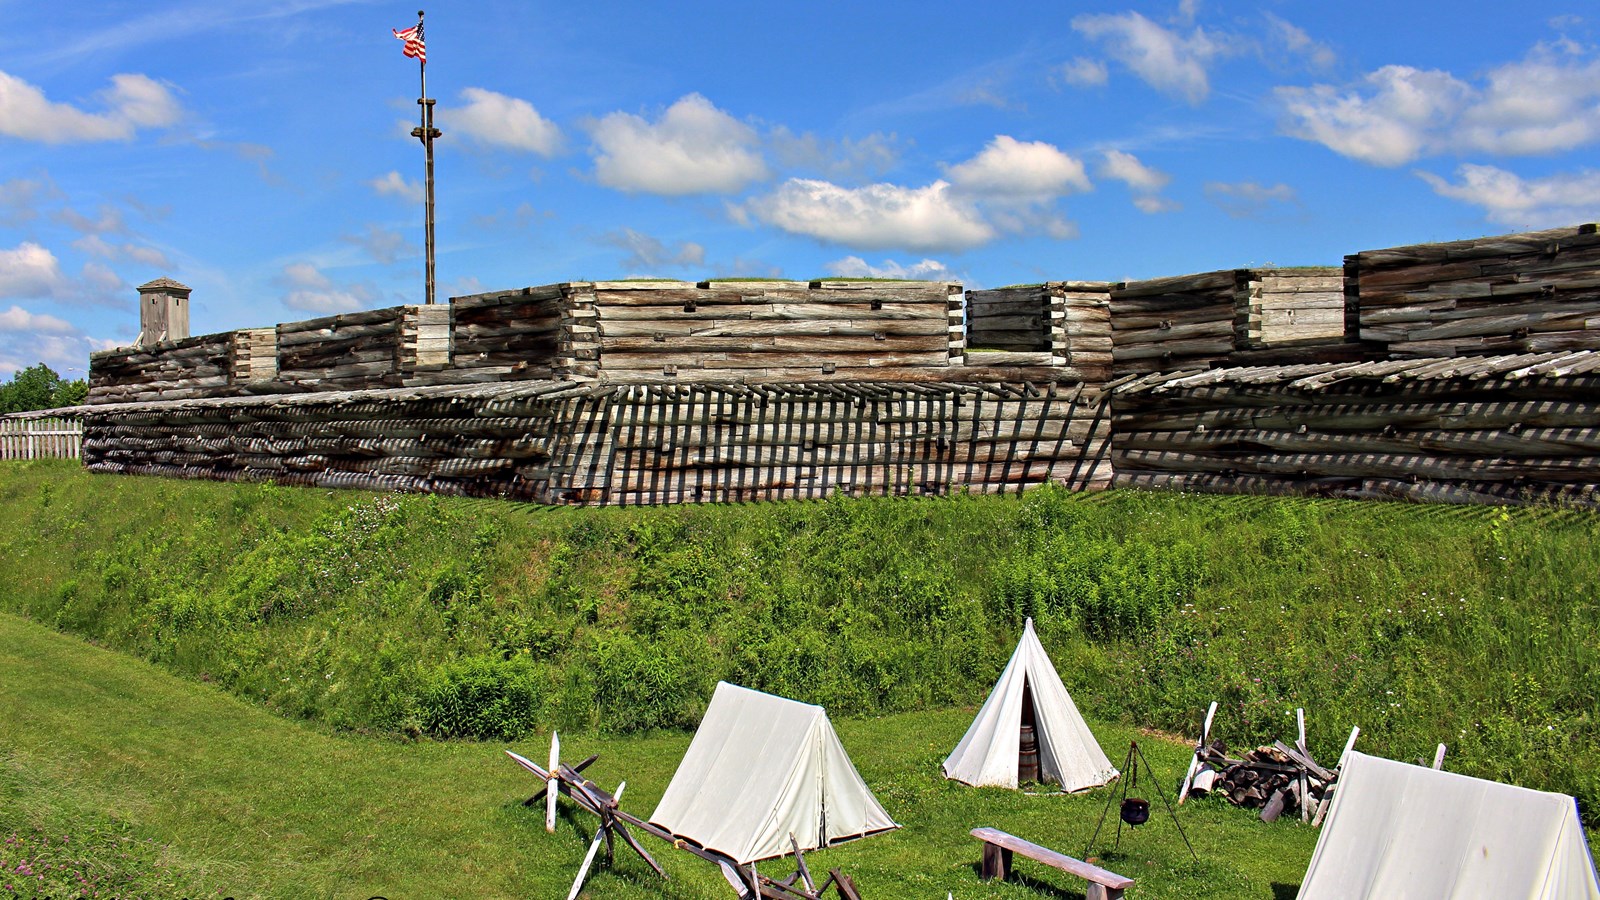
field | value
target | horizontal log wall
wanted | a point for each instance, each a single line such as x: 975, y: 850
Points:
x: 200, y: 366
x: 1461, y: 439
x: 1532, y: 292
x: 1173, y: 323
x: 344, y: 352
x: 507, y: 335
x: 1060, y: 323
x: 1290, y: 308
x: 631, y: 444
x: 687, y: 331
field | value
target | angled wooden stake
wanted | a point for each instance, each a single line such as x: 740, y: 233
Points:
x: 550, y: 788
x: 600, y: 832
x: 1355, y: 732
x: 1194, y: 762
x: 1438, y: 757
x: 1304, y: 784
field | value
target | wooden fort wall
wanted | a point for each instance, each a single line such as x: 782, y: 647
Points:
x: 1241, y: 380
x: 1519, y: 293
x: 1505, y: 429
x: 635, y: 443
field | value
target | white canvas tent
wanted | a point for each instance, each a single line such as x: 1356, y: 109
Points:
x: 761, y: 768
x: 1068, y: 753
x: 1398, y: 830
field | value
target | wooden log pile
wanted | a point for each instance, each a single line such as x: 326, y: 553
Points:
x: 1059, y: 324
x: 348, y: 351
x: 200, y: 366
x: 632, y: 444
x: 1279, y: 780
x: 1504, y: 429
x: 1521, y: 293
x: 787, y: 329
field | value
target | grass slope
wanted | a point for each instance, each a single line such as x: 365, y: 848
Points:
x: 225, y: 797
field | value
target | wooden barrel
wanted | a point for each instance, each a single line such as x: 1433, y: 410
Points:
x: 1028, y: 756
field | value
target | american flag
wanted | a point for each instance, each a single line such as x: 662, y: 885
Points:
x: 414, y: 47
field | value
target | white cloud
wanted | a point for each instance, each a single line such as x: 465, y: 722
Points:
x: 924, y: 270
x: 95, y: 245
x: 841, y: 159
x: 18, y: 319
x: 310, y: 290
x: 394, y: 185
x: 1009, y: 169
x: 29, y: 270
x: 1171, y: 62
x: 1287, y: 42
x: 1546, y: 103
x: 877, y: 216
x: 1083, y: 72
x: 1126, y: 168
x: 132, y: 102
x: 1145, y: 182
x: 1392, y: 121
x: 20, y: 199
x: 1542, y: 104
x: 694, y: 148
x: 496, y: 120
x: 109, y: 221
x: 150, y: 256
x: 1509, y: 199
x: 382, y: 244
x: 1247, y: 199
x: 97, y: 283
x: 647, y: 252
x: 1153, y: 203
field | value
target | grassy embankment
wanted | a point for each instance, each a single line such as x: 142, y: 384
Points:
x: 415, y: 616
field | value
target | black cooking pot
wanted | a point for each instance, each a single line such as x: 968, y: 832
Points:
x: 1135, y: 811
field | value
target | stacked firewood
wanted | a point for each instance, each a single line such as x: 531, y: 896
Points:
x: 1278, y: 780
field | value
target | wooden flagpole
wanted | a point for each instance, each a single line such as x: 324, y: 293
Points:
x: 426, y: 133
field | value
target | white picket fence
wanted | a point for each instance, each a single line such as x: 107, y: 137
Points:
x: 40, y: 437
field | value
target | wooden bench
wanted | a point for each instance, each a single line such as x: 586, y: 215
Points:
x: 998, y: 847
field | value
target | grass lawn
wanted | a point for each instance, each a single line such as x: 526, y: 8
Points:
x: 175, y: 786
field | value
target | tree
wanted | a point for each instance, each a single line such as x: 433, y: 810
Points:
x: 39, y: 387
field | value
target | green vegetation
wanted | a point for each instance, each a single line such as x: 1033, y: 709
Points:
x: 446, y: 617
x: 208, y: 795
x: 39, y: 387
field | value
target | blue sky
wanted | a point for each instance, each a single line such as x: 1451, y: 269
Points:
x: 259, y: 152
